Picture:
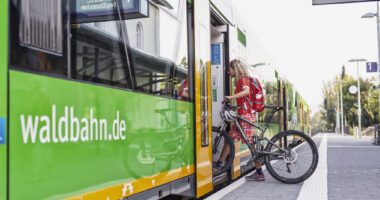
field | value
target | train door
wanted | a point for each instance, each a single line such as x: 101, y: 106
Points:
x: 282, y: 102
x: 219, y: 78
x: 280, y: 114
x: 202, y: 73
x: 211, y: 42
x: 219, y: 61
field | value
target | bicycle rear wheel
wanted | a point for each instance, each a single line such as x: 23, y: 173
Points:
x: 296, y: 159
x: 219, y: 141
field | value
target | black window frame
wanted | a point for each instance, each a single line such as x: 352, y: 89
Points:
x: 34, y: 59
x: 67, y: 60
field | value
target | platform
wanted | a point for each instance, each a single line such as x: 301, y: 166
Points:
x: 348, y: 168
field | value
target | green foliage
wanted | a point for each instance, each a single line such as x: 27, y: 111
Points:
x: 369, y: 102
x: 328, y: 109
x: 317, y: 124
x: 271, y: 98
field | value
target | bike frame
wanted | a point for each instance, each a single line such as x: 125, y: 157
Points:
x: 256, y: 151
x: 259, y: 138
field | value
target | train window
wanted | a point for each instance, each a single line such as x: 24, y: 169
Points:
x: 38, y: 35
x: 98, y: 53
x: 143, y: 52
x: 290, y: 107
x: 271, y: 98
x: 158, y: 48
x: 146, y: 54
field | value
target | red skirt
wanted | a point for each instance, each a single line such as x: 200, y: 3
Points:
x: 247, y: 128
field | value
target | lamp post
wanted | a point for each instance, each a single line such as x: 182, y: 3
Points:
x: 341, y: 107
x: 337, y: 110
x: 370, y: 15
x: 359, y: 104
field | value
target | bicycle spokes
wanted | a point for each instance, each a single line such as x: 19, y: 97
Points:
x: 291, y: 156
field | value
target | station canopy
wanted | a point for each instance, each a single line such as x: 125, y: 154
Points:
x: 322, y: 2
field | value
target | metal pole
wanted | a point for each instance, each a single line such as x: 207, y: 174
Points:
x: 337, y: 127
x: 341, y: 107
x: 359, y: 106
x: 378, y: 48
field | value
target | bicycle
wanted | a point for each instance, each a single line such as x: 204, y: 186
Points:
x: 289, y: 156
x: 147, y: 153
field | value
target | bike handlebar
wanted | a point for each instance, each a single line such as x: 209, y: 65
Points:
x: 226, y: 102
x: 273, y: 108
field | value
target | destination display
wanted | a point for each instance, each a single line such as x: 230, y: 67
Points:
x: 104, y: 10
x: 322, y: 2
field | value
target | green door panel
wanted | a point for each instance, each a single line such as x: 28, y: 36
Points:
x: 67, y: 136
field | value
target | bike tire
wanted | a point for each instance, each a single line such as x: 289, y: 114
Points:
x: 147, y: 146
x: 272, y: 166
x: 228, y: 163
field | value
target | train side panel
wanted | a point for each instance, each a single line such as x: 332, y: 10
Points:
x: 75, y: 140
x: 3, y: 97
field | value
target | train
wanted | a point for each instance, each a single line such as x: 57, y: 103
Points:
x: 90, y: 100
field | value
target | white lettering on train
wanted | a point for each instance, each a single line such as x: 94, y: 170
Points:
x: 70, y: 128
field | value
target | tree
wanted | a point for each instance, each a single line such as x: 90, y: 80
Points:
x: 329, y: 106
x: 369, y: 101
x: 317, y: 123
x: 343, y: 74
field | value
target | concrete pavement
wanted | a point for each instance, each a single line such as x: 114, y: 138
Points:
x: 354, y: 168
x: 353, y: 172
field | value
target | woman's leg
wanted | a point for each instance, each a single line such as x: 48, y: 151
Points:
x: 225, y: 152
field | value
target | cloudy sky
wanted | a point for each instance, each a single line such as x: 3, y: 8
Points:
x: 309, y: 44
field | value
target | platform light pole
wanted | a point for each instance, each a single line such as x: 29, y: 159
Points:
x: 370, y: 15
x: 359, y: 104
x: 337, y: 129
x: 341, y: 107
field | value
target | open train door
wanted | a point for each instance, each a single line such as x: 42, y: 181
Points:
x: 282, y: 102
x: 220, y: 81
x: 203, y: 147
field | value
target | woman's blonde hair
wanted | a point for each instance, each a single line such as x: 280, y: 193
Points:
x: 239, y: 67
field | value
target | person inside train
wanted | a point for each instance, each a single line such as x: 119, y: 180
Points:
x: 183, y: 93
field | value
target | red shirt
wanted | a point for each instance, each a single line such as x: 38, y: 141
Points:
x: 184, y: 86
x: 241, y: 83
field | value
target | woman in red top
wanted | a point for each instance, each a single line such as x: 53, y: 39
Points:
x: 242, y: 95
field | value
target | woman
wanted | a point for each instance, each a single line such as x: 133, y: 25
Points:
x: 242, y: 95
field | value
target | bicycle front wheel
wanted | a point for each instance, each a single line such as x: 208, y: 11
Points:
x: 294, y: 157
x: 220, y: 142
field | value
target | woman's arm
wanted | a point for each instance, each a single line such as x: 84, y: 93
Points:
x: 241, y: 94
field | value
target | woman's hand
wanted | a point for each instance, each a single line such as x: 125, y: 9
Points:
x: 228, y: 97
x: 226, y: 100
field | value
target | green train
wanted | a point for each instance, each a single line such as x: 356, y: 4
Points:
x: 280, y: 91
x: 91, y: 105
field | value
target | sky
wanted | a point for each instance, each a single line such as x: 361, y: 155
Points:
x: 309, y: 44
